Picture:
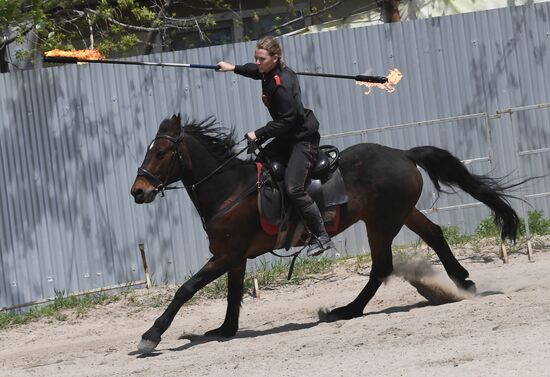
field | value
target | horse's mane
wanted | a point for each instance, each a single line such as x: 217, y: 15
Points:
x: 216, y: 139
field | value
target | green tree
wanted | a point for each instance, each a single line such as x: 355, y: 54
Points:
x: 113, y: 27
x: 130, y: 27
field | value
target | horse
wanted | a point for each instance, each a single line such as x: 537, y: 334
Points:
x: 383, y: 185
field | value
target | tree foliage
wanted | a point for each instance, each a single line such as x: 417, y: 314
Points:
x: 115, y: 27
x: 120, y: 27
x: 110, y: 26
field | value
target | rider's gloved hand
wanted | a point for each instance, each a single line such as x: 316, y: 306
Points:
x: 251, y: 141
x: 252, y: 146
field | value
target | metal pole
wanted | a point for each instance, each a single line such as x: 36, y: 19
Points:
x: 72, y: 60
x: 522, y: 190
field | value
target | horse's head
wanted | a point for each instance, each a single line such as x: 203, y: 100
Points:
x: 164, y: 162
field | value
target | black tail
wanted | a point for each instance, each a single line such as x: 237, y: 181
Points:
x: 443, y: 167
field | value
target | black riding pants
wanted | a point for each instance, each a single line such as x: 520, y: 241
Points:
x: 299, y: 157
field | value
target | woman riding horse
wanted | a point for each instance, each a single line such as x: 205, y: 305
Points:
x: 383, y: 186
x: 294, y: 128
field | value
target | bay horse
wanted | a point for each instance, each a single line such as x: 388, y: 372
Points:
x: 383, y: 186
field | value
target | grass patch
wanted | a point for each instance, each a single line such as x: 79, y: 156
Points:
x: 487, y: 228
x: 362, y: 261
x: 58, y: 308
x: 538, y: 225
x: 454, y: 235
x: 273, y: 275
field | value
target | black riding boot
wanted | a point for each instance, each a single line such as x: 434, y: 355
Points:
x: 321, y: 240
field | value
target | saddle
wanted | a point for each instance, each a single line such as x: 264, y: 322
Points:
x: 325, y: 186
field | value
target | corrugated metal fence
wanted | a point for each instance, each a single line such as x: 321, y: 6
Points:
x: 71, y: 138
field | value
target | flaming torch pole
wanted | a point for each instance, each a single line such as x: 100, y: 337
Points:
x: 74, y: 60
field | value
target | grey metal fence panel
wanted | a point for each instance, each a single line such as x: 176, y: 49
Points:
x: 71, y: 138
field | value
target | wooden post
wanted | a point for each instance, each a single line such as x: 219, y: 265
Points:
x: 256, y: 288
x: 255, y: 280
x: 529, y: 251
x: 528, y: 236
x: 503, y: 252
x: 145, y: 267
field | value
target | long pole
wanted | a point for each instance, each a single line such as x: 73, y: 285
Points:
x: 71, y: 60
x: 68, y: 59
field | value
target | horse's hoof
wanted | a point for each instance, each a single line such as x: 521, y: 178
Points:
x: 147, y: 346
x: 324, y: 315
x: 469, y: 286
x: 221, y: 332
x: 337, y: 314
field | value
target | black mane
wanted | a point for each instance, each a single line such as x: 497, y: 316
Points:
x: 217, y: 140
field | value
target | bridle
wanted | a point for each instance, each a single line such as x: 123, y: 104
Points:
x: 160, y: 186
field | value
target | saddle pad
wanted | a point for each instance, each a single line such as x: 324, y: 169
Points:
x: 328, y: 197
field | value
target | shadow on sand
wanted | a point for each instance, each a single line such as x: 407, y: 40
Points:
x: 196, y: 339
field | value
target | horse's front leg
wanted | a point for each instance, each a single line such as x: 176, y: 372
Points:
x: 235, y: 285
x: 212, y: 270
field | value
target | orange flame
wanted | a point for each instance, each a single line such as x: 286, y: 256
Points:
x: 79, y: 54
x: 394, y: 76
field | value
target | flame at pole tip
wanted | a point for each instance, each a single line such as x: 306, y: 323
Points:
x: 394, y: 76
x: 87, y: 54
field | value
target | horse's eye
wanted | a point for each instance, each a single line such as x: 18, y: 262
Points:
x: 161, y: 154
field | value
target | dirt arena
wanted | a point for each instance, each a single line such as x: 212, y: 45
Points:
x: 503, y: 331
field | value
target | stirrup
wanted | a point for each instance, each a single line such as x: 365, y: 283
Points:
x: 317, y: 247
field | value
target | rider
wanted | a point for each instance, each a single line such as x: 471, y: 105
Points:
x: 294, y: 129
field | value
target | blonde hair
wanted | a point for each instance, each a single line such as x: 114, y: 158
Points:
x: 272, y: 47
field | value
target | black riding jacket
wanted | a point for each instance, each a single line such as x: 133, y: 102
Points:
x: 282, y: 96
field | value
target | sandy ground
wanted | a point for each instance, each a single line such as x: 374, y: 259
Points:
x: 503, y: 331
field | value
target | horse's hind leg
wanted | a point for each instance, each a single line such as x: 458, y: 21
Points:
x: 433, y: 235
x: 382, y: 266
x: 235, y: 285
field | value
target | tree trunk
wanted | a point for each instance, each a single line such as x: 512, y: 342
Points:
x: 390, y: 11
x: 7, y: 56
x: 3, y: 62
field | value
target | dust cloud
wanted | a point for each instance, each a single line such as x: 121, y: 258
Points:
x: 435, y: 286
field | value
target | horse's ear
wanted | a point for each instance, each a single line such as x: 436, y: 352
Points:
x: 179, y: 118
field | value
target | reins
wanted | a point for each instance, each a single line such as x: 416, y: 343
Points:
x: 194, y: 185
x: 161, y: 187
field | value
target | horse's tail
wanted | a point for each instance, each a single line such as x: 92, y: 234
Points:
x: 443, y: 167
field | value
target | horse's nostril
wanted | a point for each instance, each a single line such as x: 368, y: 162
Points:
x: 137, y: 192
